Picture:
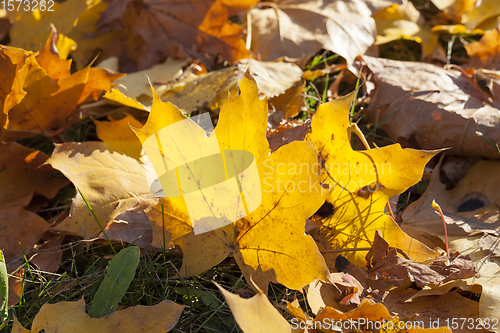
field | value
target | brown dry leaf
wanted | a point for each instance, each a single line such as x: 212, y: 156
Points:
x: 22, y: 174
x: 5, y: 26
x: 433, y: 311
x: 47, y: 257
x: 430, y: 107
x: 256, y: 314
x: 198, y: 29
x: 291, y: 102
x: 53, y: 92
x: 210, y: 90
x: 15, y: 286
x: 384, y: 263
x: 71, y: 317
x: 111, y: 182
x: 487, y: 279
x: 287, y: 132
x: 301, y: 28
x: 486, y: 52
x: 119, y: 136
x: 489, y: 244
x: 138, y: 85
x: 133, y: 227
x: 471, y: 207
x: 332, y: 293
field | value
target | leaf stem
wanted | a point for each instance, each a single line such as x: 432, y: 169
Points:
x: 436, y: 206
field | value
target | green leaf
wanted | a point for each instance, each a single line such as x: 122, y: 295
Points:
x: 119, y: 274
x: 4, y: 289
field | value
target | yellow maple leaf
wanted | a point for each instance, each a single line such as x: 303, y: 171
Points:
x: 71, y: 317
x: 118, y: 135
x: 11, y: 85
x: 256, y: 314
x: 361, y: 183
x: 268, y: 243
x: 52, y: 92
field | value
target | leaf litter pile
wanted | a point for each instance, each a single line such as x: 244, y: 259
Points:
x: 370, y: 202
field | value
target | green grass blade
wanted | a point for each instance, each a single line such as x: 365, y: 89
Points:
x: 97, y: 220
x: 119, y: 274
x: 4, y: 289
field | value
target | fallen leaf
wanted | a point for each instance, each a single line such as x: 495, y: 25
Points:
x: 489, y: 244
x: 258, y: 239
x: 485, y: 52
x: 5, y: 26
x: 397, y: 21
x: 11, y: 86
x: 23, y: 173
x: 210, y: 89
x: 52, y: 92
x: 430, y: 107
x: 119, y: 136
x: 30, y: 29
x: 119, y: 274
x: 136, y: 84
x: 405, y: 22
x: 15, y: 286
x: 286, y: 133
x: 291, y: 102
x: 200, y: 30
x: 480, y: 13
x: 133, y: 227
x: 471, y: 207
x: 301, y: 28
x: 361, y: 183
x: 47, y: 257
x: 385, y: 264
x: 117, y: 96
x: 488, y: 270
x: 435, y: 311
x: 111, y: 182
x: 71, y: 317
x: 331, y: 293
x: 92, y: 44
x: 256, y: 314
x: 454, y: 9
x: 65, y: 46
x: 367, y: 310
